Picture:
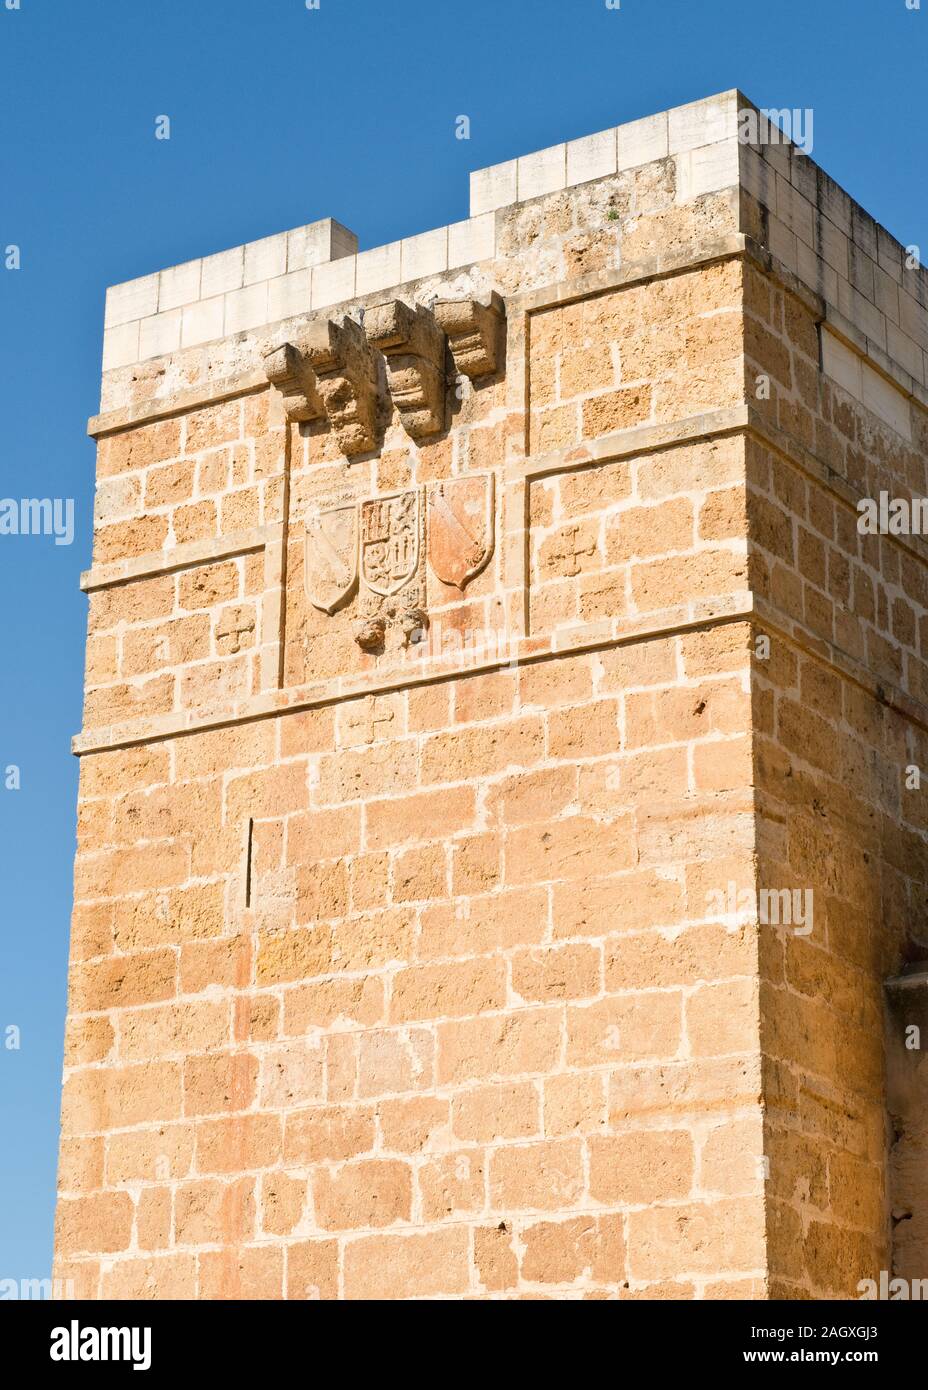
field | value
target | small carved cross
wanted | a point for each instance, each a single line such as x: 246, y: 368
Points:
x: 233, y: 624
x: 364, y: 725
x: 571, y: 549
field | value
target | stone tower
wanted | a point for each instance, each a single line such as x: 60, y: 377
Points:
x: 498, y: 806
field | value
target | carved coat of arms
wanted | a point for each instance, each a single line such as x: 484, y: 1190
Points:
x: 378, y: 547
x: 390, y: 541
x: 331, y: 557
x: 460, y: 527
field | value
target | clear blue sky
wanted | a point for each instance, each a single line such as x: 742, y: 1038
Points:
x: 282, y: 115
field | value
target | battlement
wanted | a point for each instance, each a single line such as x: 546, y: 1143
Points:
x: 806, y: 221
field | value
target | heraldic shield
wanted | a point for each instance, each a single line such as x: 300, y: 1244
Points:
x: 331, y: 558
x: 461, y: 526
x: 390, y: 541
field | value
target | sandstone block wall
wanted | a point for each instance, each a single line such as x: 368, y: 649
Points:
x: 427, y: 720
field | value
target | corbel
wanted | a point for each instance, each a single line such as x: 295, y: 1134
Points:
x: 330, y: 372
x: 288, y: 368
x: 474, y: 332
x: 414, y: 348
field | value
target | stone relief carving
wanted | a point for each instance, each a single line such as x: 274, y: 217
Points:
x: 474, y: 332
x: 414, y: 348
x: 330, y: 372
x: 460, y: 525
x: 391, y: 551
x: 376, y: 549
x: 331, y: 557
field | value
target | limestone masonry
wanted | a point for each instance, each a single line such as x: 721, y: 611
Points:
x: 481, y: 642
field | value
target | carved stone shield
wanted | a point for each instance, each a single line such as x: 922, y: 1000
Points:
x: 331, y: 557
x: 461, y: 527
x: 390, y: 540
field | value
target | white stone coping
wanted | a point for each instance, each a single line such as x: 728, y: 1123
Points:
x: 317, y: 266
x: 815, y: 229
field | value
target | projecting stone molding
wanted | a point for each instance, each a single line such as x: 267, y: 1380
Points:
x: 331, y: 372
x: 414, y: 348
x: 474, y: 333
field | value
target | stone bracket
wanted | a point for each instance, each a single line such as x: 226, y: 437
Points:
x: 414, y: 348
x: 287, y: 368
x: 474, y: 333
x: 331, y: 372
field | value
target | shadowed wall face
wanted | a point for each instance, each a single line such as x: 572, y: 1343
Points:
x: 463, y: 675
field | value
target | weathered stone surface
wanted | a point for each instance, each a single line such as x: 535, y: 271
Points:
x: 414, y: 347
x: 448, y: 773
x: 330, y: 373
x: 474, y: 331
x: 461, y: 527
x: 290, y: 370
